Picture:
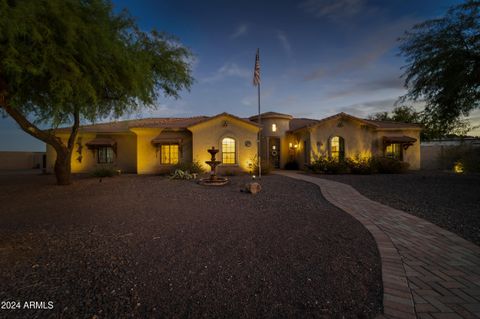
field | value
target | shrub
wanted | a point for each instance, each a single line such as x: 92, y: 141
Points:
x: 467, y: 157
x: 229, y: 173
x: 328, y: 166
x: 292, y: 165
x: 363, y: 166
x: 266, y: 168
x: 179, y: 174
x: 387, y: 165
x: 104, y: 171
x: 193, y: 167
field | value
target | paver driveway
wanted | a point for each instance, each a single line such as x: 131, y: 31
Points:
x: 427, y: 272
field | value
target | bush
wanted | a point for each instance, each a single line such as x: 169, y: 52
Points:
x: 104, y: 171
x: 189, y: 167
x: 328, y: 166
x: 386, y: 165
x: 464, y: 156
x: 292, y: 165
x: 362, y: 166
x: 179, y: 174
x: 266, y: 168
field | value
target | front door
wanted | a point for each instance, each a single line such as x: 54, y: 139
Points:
x: 274, y: 152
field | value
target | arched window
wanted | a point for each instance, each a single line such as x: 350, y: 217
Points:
x: 228, y: 151
x: 337, y: 148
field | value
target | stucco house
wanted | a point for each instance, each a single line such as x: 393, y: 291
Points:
x: 154, y: 145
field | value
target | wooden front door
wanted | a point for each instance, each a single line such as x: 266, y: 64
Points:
x: 274, y: 152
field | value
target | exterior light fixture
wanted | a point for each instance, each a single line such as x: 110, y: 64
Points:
x: 274, y: 127
x: 290, y: 145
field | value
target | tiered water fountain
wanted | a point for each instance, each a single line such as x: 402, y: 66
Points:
x: 213, y: 180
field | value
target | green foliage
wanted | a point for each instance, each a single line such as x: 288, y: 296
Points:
x: 386, y: 165
x: 266, y: 167
x: 362, y: 166
x: 292, y: 165
x: 443, y: 63
x: 104, y: 171
x: 431, y: 127
x: 179, y: 174
x: 328, y: 166
x: 193, y: 167
x: 62, y: 56
x: 466, y: 156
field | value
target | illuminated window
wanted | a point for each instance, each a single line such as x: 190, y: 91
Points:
x: 394, y: 151
x: 337, y: 148
x: 105, y: 155
x: 169, y: 154
x: 228, y: 151
x: 274, y: 127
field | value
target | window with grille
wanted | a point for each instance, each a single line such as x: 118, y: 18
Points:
x: 337, y: 148
x: 394, y: 151
x: 169, y: 154
x: 228, y: 151
x: 105, y: 155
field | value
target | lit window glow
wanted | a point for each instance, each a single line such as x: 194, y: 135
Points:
x: 169, y: 154
x: 394, y: 151
x: 228, y: 151
x: 274, y: 127
x: 337, y: 148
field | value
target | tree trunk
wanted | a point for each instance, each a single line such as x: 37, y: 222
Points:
x: 64, y: 152
x: 63, y: 171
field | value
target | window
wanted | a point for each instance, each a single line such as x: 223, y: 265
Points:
x: 274, y: 127
x: 169, y: 154
x: 228, y: 151
x: 394, y: 151
x: 337, y: 148
x: 105, y: 155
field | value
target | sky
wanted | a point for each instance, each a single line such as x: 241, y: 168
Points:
x: 317, y: 57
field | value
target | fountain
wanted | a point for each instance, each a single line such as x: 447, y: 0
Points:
x: 213, y: 180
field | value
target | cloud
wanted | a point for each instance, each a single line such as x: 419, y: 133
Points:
x: 242, y: 29
x: 333, y: 8
x: 391, y: 82
x: 364, y: 109
x: 368, y: 51
x: 228, y: 70
x: 284, y: 42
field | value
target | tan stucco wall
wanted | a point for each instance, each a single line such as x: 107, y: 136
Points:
x: 148, y: 154
x: 283, y: 125
x: 358, y: 138
x: 125, y: 158
x: 20, y: 160
x: 412, y: 154
x: 210, y: 133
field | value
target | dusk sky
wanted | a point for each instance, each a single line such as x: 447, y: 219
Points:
x: 318, y: 57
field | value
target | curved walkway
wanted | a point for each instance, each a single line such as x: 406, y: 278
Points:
x: 427, y: 272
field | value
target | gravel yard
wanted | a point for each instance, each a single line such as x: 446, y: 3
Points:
x: 145, y: 246
x: 448, y: 200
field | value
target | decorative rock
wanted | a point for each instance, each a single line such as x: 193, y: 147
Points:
x: 253, y: 188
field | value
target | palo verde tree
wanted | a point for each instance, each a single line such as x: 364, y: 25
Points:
x: 443, y: 63
x: 67, y: 61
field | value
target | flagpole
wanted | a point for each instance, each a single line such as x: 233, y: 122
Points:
x: 259, y: 136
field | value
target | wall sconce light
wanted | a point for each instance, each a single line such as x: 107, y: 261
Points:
x: 296, y: 146
x: 290, y: 145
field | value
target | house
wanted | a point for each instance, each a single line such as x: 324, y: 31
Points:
x: 154, y: 145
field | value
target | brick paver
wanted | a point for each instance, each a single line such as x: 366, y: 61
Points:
x: 427, y: 272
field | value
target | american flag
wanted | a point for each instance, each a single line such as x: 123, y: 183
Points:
x: 256, y: 71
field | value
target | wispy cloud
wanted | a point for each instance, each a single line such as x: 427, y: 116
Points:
x: 333, y: 8
x: 282, y: 37
x: 367, y: 86
x: 368, y: 51
x: 364, y: 109
x: 228, y: 70
x: 241, y: 30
